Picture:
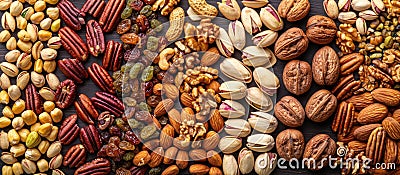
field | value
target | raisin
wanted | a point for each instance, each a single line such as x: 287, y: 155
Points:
x: 136, y: 5
x: 124, y: 26
x: 142, y: 23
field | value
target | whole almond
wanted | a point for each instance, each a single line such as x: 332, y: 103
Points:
x: 216, y: 121
x: 210, y: 57
x: 167, y: 136
x: 361, y: 101
x: 163, y: 107
x: 198, y: 155
x: 187, y: 114
x: 141, y: 158
x: 372, y: 114
x: 170, y: 90
x: 186, y: 100
x: 214, y: 158
x: 170, y: 155
x: 392, y: 127
x: 171, y: 170
x: 199, y: 169
x: 357, y: 146
x: 387, y: 96
x: 211, y: 141
x: 215, y: 171
x: 174, y: 117
x: 182, y: 159
x: 391, y: 151
x: 362, y: 133
x: 156, y: 157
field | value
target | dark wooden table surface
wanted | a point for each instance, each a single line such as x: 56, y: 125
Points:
x: 309, y: 128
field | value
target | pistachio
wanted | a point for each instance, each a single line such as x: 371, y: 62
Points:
x: 11, y: 44
x: 230, y: 165
x: 234, y: 90
x: 49, y: 66
x: 360, y: 5
x: 4, y: 144
x: 4, y: 122
x: 43, y: 165
x: 23, y: 134
x: 16, y: 8
x: 24, y: 61
x: 9, y: 69
x: 269, y: 16
x: 28, y: 166
x: 45, y: 24
x: 48, y: 54
x: 33, y: 139
x: 37, y: 17
x: 4, y: 81
x: 53, y: 13
x: 27, y: 12
x: 53, y: 81
x: 25, y: 46
x: 265, y: 38
x: 37, y: 79
x: 377, y: 6
x: 246, y: 161
x: 361, y: 26
x: 32, y: 29
x: 237, y: 34
x: 258, y: 100
x: 43, y: 146
x: 44, y: 35
x: 57, y: 172
x: 18, y: 150
x: 55, y: 26
x: 260, y: 142
x: 6, y: 170
x: 12, y: 56
x: 36, y: 49
x: 39, y: 6
x: 54, y: 149
x: 265, y: 163
x: 237, y: 127
x: 54, y: 43
x: 224, y: 43
x: 4, y: 98
x: 18, y: 106
x: 5, y: 4
x: 17, y: 123
x: 266, y: 80
x: 38, y: 66
x: 5, y: 35
x: 13, y: 137
x: 368, y: 15
x: 21, y: 22
x: 235, y: 69
x: 35, y: 127
x: 255, y: 3
x: 230, y: 144
x: 263, y: 122
x: 17, y: 169
x: 256, y: 56
x: 8, y: 22
x: 7, y: 112
x: 331, y: 8
x: 32, y: 154
x: 8, y: 158
x: 251, y: 20
x: 232, y: 109
x: 47, y: 94
x: 45, y: 129
x: 230, y: 9
x: 29, y: 117
x: 56, y: 162
x: 344, y: 5
x: 347, y: 17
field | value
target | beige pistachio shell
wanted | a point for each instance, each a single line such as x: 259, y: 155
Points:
x: 237, y: 34
x: 260, y: 142
x: 233, y: 90
x: 237, y: 127
x: 255, y: 3
x: 246, y: 161
x: 232, y: 109
x: 265, y: 38
x: 230, y: 165
x: 235, y: 70
x: 251, y: 20
x: 230, y: 9
x: 263, y: 122
x: 224, y: 43
x: 230, y: 144
x: 265, y: 163
x: 256, y: 57
x: 266, y: 80
x: 258, y: 100
x: 269, y: 16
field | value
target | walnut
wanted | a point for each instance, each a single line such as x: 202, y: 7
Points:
x: 346, y: 37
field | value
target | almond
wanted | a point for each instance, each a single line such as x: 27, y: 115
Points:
x: 391, y: 151
x: 171, y: 170
x: 198, y: 155
x: 170, y: 155
x: 210, y: 57
x: 216, y: 120
x: 362, y: 133
x: 392, y: 127
x: 215, y: 171
x: 214, y: 158
x: 199, y: 169
x: 357, y: 146
x: 170, y: 90
x: 151, y: 145
x: 163, y: 107
x: 387, y: 96
x: 187, y: 114
x: 361, y: 101
x: 372, y: 114
x: 156, y: 157
x: 186, y: 100
x: 182, y: 159
x: 167, y: 136
x: 211, y: 141
x: 174, y: 117
x: 142, y: 158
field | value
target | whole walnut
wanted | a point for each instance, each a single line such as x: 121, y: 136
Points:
x: 291, y: 44
x: 321, y: 29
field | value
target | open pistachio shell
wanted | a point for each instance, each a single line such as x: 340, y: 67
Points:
x: 256, y: 57
x: 251, y: 20
x: 231, y: 109
x: 266, y: 80
x: 263, y: 122
x: 237, y: 34
x: 224, y: 43
x: 260, y: 142
x: 265, y: 163
x: 265, y: 38
x: 230, y: 144
x: 258, y: 100
x: 235, y: 69
x: 237, y: 127
x: 255, y: 3
x: 233, y: 90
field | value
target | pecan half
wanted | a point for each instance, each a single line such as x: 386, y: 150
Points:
x: 99, y: 166
x: 93, y: 7
x: 346, y: 87
x: 113, y: 56
x: 73, y: 44
x: 71, y: 15
x: 33, y: 99
x: 95, y: 38
x: 101, y: 78
x: 73, y: 69
x: 65, y: 94
x: 75, y: 156
x: 111, y: 14
x: 344, y: 118
x: 376, y: 145
x: 69, y: 130
x: 85, y: 109
x: 108, y: 102
x: 90, y: 138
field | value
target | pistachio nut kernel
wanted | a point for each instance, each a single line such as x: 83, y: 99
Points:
x: 18, y: 150
x: 43, y: 146
x: 11, y: 44
x: 36, y: 49
x: 5, y: 35
x: 269, y: 16
x: 43, y: 165
x: 33, y: 139
x: 23, y: 134
x: 44, y: 35
x: 4, y: 97
x: 39, y: 6
x: 8, y: 158
x: 56, y: 114
x: 5, y: 4
x: 13, y: 137
x: 49, y: 66
x: 16, y: 8
x: 53, y: 13
x: 24, y: 35
x: 44, y: 130
x: 55, y: 26
x: 48, y: 54
x: 54, y: 42
x: 4, y: 122
x: 52, y: 81
x: 29, y: 117
x: 4, y: 144
x: 38, y: 66
x: 17, y: 123
x: 37, y: 17
x: 21, y: 22
x: 33, y: 30
x: 37, y: 79
x: 17, y: 169
x: 7, y: 112
x: 12, y: 56
x: 8, y: 22
x: 28, y: 166
x: 45, y: 117
x: 18, y: 106
x: 27, y: 12
x: 4, y: 81
x: 46, y: 24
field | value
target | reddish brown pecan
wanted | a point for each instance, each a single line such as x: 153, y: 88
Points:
x: 95, y: 38
x: 71, y: 15
x: 73, y: 43
x: 65, y: 94
x: 112, y: 12
x: 73, y: 69
x: 33, y: 99
x: 69, y: 130
x: 101, y: 78
x: 90, y: 138
x: 113, y: 56
x: 108, y: 102
x: 85, y: 109
x: 75, y: 156
x: 99, y: 166
x: 93, y: 7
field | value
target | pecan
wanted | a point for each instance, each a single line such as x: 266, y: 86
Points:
x: 105, y: 119
x: 73, y: 69
x: 71, y: 15
x: 350, y: 63
x: 111, y: 14
x: 373, y: 77
x: 65, y: 94
x: 90, y: 138
x: 95, y: 38
x: 376, y: 145
x: 33, y: 100
x: 101, y: 78
x: 73, y: 43
x: 69, y: 130
x: 108, y: 102
x: 85, y: 109
x: 344, y: 118
x: 98, y: 166
x: 346, y: 87
x: 113, y: 56
x: 93, y: 7
x: 75, y: 156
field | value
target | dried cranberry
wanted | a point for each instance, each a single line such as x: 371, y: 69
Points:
x: 131, y: 137
x: 115, y: 131
x: 153, y: 100
x: 136, y: 5
x: 124, y: 26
